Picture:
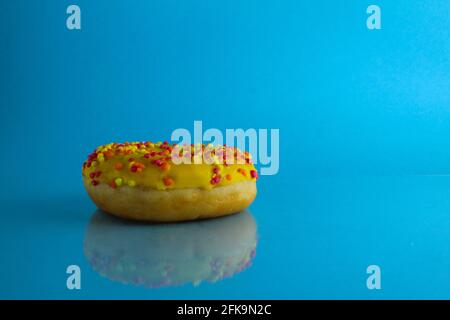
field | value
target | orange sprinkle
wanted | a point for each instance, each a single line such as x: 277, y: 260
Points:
x: 165, y: 166
x: 228, y: 177
x: 242, y: 171
x: 140, y: 165
x: 168, y: 181
x: 118, y: 166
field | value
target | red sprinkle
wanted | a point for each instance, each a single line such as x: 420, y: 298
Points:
x: 94, y: 182
x: 254, y: 174
x: 216, y: 179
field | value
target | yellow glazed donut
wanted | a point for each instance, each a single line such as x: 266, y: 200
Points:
x: 143, y: 181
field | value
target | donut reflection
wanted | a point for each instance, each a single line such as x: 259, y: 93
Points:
x: 170, y: 254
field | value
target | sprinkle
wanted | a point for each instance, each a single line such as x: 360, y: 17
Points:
x: 216, y: 170
x: 140, y: 165
x: 254, y: 174
x: 112, y: 184
x: 131, y: 183
x: 228, y: 177
x: 216, y: 179
x: 98, y: 173
x: 242, y: 171
x: 131, y: 160
x: 108, y: 154
x: 165, y: 166
x: 118, y: 182
x: 94, y: 182
x: 137, y: 167
x: 168, y: 181
x: 92, y: 175
x: 118, y: 166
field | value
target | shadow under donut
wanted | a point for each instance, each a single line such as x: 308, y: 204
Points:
x: 157, y: 255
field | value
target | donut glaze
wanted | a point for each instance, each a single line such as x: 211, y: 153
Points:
x: 143, y: 180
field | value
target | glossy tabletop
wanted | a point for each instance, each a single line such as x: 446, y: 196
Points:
x: 317, y: 243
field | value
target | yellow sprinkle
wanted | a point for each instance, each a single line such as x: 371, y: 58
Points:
x: 101, y: 157
x: 118, y: 181
x: 131, y: 183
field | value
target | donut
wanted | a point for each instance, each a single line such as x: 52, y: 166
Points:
x: 170, y: 254
x: 144, y: 181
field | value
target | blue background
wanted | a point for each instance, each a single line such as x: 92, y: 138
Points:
x: 364, y: 119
